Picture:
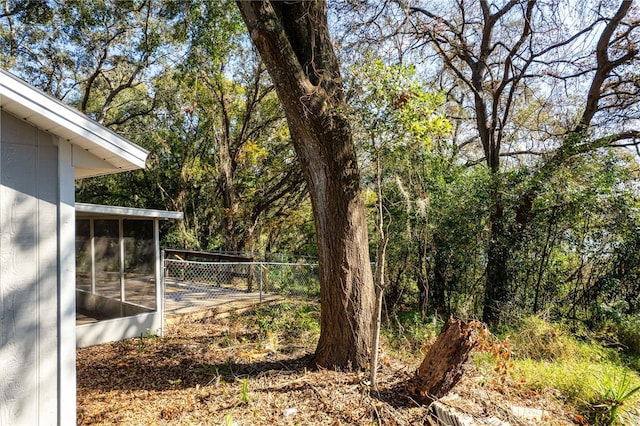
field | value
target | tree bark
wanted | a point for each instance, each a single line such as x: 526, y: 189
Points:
x: 443, y: 366
x: 498, y: 256
x: 293, y: 41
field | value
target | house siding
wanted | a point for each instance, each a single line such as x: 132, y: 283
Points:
x: 29, y: 274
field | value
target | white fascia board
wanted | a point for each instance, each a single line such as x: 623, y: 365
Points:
x: 51, y: 115
x: 88, y: 210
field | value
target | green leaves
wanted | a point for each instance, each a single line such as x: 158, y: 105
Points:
x: 393, y: 108
x: 615, y: 400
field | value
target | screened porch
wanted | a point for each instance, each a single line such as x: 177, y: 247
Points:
x: 119, y: 279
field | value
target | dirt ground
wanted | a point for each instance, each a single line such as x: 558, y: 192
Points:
x: 219, y: 373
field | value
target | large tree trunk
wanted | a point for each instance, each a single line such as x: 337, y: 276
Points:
x: 497, y: 280
x: 293, y: 41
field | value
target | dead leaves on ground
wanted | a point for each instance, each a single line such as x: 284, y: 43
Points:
x: 197, y: 375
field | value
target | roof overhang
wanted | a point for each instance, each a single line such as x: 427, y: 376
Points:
x: 109, y: 152
x: 85, y: 210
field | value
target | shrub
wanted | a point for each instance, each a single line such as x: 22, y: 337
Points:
x: 628, y: 331
x: 615, y: 399
x: 293, y: 320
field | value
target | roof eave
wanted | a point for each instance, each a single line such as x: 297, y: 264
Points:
x: 51, y: 115
x: 87, y: 210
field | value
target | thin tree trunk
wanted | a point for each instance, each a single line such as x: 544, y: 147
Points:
x: 377, y: 321
x: 378, y: 278
x: 544, y: 261
x: 438, y: 286
x: 423, y: 279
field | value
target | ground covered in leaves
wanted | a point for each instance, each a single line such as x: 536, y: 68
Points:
x: 228, y: 372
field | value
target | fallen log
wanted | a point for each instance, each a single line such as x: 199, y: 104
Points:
x: 443, y: 365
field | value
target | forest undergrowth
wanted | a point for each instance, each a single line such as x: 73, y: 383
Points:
x: 253, y: 369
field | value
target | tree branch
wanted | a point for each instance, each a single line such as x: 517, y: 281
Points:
x: 604, y: 65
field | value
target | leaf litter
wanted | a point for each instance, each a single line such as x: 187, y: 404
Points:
x: 217, y: 372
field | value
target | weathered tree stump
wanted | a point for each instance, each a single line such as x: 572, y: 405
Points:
x: 443, y: 365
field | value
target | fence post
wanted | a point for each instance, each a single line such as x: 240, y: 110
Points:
x: 260, y: 269
x: 162, y: 290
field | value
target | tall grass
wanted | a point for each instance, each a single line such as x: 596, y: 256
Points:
x: 593, y: 379
x: 407, y: 333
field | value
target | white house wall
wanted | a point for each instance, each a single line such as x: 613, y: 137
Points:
x: 29, y: 275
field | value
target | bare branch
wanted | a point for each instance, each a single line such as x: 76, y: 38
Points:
x: 604, y: 64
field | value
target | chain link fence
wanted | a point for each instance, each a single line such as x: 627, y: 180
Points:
x: 203, y: 279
